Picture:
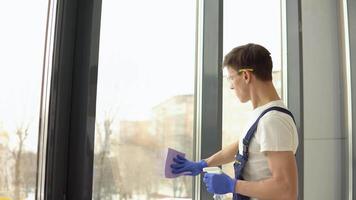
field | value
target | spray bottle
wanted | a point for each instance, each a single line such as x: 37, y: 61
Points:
x: 214, y: 170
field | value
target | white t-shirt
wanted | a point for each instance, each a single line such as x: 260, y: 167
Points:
x: 276, y: 131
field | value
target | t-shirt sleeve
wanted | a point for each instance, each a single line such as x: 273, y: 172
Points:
x: 275, y: 134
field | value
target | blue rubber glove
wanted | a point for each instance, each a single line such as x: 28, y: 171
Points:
x: 183, y: 165
x: 219, y: 183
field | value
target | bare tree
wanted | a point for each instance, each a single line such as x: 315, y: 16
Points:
x: 104, y: 182
x: 124, y: 188
x: 4, y: 174
x: 21, y: 133
x: 139, y: 165
x: 28, y: 170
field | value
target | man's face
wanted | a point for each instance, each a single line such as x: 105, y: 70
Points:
x: 239, y: 84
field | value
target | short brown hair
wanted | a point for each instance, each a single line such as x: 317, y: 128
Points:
x: 252, y: 56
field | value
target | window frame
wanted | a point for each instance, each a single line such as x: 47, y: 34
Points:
x: 294, y: 78
x: 208, y: 134
x: 71, y: 112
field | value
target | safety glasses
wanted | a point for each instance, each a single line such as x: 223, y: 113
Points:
x: 244, y: 70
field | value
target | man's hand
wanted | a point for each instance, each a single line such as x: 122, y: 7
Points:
x: 183, y: 165
x: 219, y: 183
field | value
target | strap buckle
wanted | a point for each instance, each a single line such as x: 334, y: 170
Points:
x: 245, y: 147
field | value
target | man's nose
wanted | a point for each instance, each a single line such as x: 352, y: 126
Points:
x: 232, y: 86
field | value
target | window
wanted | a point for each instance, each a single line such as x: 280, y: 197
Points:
x: 249, y: 22
x: 145, y: 98
x: 22, y: 42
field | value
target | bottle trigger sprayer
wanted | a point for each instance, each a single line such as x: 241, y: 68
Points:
x: 214, y: 170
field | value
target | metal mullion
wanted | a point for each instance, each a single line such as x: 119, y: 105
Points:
x: 45, y: 100
x: 83, y: 102
x: 349, y: 7
x: 70, y: 144
x: 198, y: 92
x: 211, y: 82
x: 346, y: 119
x: 295, y: 79
x: 60, y: 98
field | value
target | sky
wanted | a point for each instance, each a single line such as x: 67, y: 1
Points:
x: 23, y: 25
x: 147, y: 54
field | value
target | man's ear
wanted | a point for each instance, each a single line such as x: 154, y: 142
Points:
x: 247, y: 76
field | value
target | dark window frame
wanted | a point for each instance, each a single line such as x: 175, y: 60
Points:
x: 71, y: 126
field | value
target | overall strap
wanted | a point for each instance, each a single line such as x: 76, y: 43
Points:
x: 252, y: 130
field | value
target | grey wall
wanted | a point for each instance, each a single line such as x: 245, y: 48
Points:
x: 324, y: 139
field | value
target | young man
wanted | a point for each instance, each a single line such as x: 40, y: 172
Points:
x: 265, y: 165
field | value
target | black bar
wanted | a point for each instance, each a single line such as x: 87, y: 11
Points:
x: 60, y: 101
x: 70, y: 149
x: 81, y: 139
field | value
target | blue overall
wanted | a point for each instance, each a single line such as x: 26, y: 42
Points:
x: 241, y: 160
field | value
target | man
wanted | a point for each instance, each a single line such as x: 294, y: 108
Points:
x: 265, y: 165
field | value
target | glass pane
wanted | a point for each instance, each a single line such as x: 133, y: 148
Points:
x: 22, y: 38
x: 245, y: 22
x: 145, y: 98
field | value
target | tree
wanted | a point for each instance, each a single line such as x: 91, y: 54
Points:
x: 4, y: 173
x: 138, y: 164
x: 28, y: 170
x: 104, y: 184
x: 17, y: 153
x: 5, y: 158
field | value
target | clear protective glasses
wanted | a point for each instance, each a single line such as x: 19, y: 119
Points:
x: 231, y: 78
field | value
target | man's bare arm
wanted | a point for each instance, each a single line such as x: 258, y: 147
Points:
x: 282, y: 185
x: 223, y: 156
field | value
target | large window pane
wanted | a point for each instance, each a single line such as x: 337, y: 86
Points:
x: 253, y: 21
x: 22, y: 38
x: 145, y: 97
